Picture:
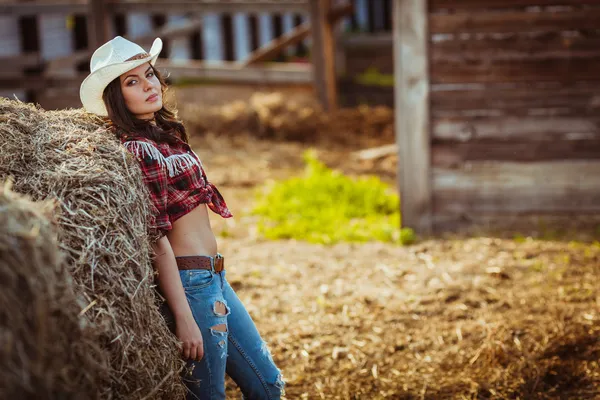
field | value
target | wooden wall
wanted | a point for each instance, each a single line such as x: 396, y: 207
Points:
x: 514, y: 108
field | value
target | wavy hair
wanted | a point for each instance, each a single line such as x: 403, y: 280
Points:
x: 123, y: 122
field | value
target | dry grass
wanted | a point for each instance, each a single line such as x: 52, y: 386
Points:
x: 101, y: 227
x: 463, y: 317
x: 446, y: 319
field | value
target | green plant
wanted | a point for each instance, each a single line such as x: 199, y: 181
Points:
x: 372, y: 77
x: 325, y: 206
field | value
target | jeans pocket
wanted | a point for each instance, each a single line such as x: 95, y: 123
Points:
x: 198, y: 279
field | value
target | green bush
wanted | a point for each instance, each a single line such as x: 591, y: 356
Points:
x: 325, y: 206
x: 372, y: 77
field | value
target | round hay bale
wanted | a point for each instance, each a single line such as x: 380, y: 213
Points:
x: 46, y: 349
x: 102, y: 227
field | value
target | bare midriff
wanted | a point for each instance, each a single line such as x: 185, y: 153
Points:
x: 192, y: 235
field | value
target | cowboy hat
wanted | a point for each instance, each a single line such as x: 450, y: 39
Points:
x: 108, y: 62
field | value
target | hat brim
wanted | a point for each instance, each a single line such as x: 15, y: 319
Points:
x: 92, y: 87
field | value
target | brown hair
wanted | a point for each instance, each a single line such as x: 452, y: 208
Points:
x: 123, y: 122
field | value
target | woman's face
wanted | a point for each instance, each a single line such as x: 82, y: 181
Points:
x: 141, y: 91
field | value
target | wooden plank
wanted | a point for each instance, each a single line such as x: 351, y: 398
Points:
x: 518, y: 97
x: 298, y: 34
x: 411, y: 92
x: 514, y: 21
x: 531, y: 70
x: 212, y: 6
x: 338, y: 11
x: 549, y: 45
x: 165, y: 32
x: 453, y: 155
x: 436, y: 5
x: 362, y: 41
x: 98, y: 29
x: 191, y: 26
x: 525, y: 128
x: 506, y: 224
x: 504, y: 47
x: 505, y: 187
x: 269, y: 51
x: 293, y: 74
x: 323, y: 54
x: 55, y: 7
x: 16, y: 80
x: 551, y: 112
x: 231, y: 72
x: 20, y: 61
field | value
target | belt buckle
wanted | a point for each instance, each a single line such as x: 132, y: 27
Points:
x: 219, y: 256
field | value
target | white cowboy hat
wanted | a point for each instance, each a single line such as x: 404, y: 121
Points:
x: 108, y: 62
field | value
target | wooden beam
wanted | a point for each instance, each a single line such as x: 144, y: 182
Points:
x: 515, y: 128
x: 33, y: 8
x: 165, y: 32
x: 338, y: 11
x: 489, y: 187
x: 233, y: 72
x: 565, y: 70
x: 518, y: 98
x: 436, y: 5
x: 170, y: 32
x: 278, y: 44
x: 20, y: 61
x: 323, y: 53
x: 198, y: 6
x: 98, y: 23
x: 455, y: 154
x: 358, y: 41
x: 298, y: 34
x: 205, y: 6
x: 411, y: 38
x: 514, y: 21
x: 474, y: 48
x: 549, y: 45
x: 37, y: 83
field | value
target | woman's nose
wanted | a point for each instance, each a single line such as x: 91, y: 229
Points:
x: 148, y: 84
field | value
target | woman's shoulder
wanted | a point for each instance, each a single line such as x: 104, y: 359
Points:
x: 128, y: 137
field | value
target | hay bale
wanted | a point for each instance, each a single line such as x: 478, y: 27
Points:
x: 103, y: 229
x: 46, y: 350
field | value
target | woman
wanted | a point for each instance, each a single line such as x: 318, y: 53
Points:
x: 216, y: 332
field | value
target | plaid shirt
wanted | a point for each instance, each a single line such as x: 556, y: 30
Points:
x: 176, y: 181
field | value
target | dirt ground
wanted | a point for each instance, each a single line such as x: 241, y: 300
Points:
x: 463, y: 317
x: 453, y: 317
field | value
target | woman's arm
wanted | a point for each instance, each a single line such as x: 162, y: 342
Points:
x: 170, y: 285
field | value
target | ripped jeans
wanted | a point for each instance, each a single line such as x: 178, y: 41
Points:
x: 232, y: 343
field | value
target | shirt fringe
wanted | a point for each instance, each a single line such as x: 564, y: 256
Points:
x: 175, y: 164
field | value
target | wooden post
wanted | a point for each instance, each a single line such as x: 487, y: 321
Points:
x: 323, y: 55
x: 98, y: 27
x: 411, y: 92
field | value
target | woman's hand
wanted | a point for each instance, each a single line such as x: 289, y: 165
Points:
x: 188, y: 332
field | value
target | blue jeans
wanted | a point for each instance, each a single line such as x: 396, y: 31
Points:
x: 240, y: 351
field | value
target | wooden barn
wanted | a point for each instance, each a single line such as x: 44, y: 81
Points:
x: 497, y: 109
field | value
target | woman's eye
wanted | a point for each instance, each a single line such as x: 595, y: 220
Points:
x: 151, y: 74
x: 130, y: 82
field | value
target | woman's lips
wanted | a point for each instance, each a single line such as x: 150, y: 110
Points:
x: 152, y: 98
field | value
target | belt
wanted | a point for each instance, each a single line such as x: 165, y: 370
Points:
x: 216, y: 263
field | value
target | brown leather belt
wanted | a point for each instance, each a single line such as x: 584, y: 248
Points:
x: 215, y: 263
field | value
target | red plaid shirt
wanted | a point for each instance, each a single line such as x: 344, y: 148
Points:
x: 176, y: 181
